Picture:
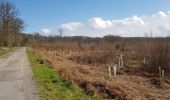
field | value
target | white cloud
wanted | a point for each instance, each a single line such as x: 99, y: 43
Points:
x: 45, y: 32
x: 131, y: 21
x: 159, y: 23
x: 160, y: 14
x: 168, y: 12
x: 71, y: 26
x: 99, y: 23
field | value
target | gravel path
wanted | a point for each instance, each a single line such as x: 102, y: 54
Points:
x: 16, y: 77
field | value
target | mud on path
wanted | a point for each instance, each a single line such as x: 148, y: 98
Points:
x: 16, y: 82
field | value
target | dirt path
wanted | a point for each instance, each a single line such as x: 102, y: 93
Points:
x: 16, y: 77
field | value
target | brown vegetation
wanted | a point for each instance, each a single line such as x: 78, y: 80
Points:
x: 86, y: 64
x: 158, y: 56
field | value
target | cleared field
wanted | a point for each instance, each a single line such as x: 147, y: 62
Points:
x: 88, y: 68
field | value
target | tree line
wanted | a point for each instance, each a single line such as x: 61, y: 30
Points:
x: 10, y: 25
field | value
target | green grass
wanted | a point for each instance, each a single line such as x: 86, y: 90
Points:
x: 7, y: 51
x: 50, y: 86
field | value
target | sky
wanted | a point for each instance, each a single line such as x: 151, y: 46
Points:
x: 96, y: 18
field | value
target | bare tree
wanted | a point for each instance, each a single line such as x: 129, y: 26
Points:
x: 10, y: 24
x: 18, y: 27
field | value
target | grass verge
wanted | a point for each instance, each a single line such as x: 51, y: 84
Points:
x: 7, y: 51
x: 50, y: 86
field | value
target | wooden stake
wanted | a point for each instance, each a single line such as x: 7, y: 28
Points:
x: 144, y: 61
x: 163, y: 72
x: 121, y: 56
x: 114, y: 70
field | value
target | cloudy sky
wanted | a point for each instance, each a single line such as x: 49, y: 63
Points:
x: 128, y: 18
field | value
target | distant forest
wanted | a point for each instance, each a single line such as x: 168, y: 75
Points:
x: 12, y: 26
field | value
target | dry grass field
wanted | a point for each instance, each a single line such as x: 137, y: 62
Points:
x: 87, y: 66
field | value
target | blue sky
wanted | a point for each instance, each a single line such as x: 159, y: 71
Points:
x: 49, y: 15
